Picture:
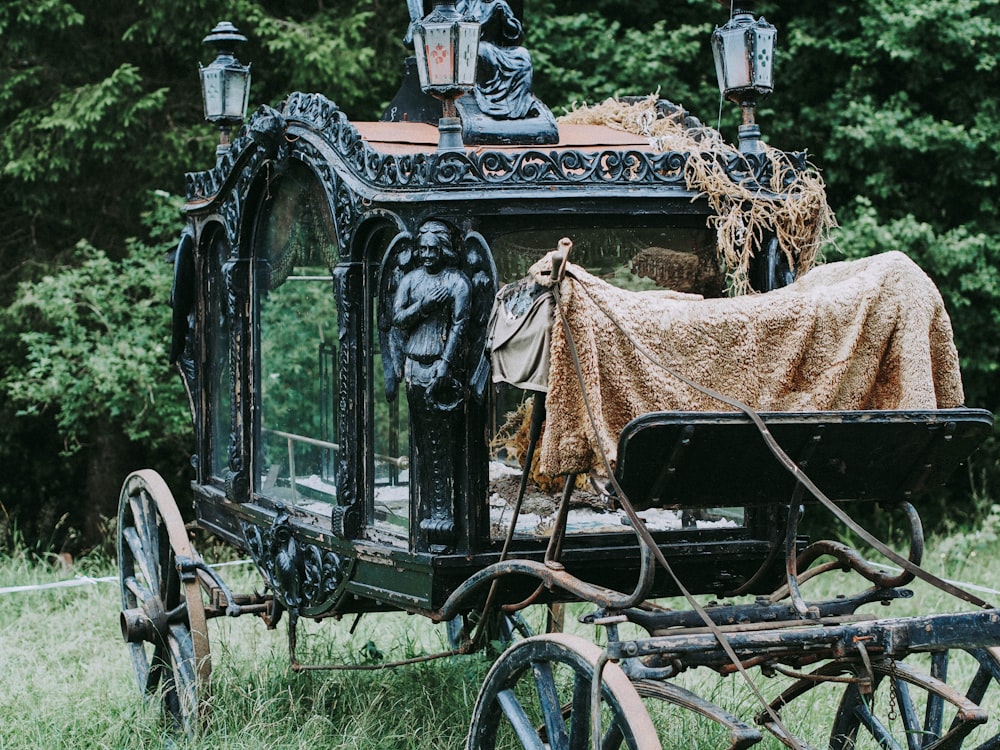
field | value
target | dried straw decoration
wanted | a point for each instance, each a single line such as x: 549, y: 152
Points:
x: 793, y: 204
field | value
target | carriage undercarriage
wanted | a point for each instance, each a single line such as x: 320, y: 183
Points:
x: 541, y: 688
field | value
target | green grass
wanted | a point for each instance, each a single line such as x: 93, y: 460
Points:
x: 67, y: 680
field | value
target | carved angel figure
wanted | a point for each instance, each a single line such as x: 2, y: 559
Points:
x: 433, y: 308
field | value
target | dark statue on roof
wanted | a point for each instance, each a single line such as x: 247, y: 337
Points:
x: 502, y: 109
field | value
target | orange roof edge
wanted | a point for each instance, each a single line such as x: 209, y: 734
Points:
x: 415, y: 137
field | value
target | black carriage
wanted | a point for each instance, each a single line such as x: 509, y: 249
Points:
x: 341, y: 294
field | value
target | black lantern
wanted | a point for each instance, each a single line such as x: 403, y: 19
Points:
x: 744, y: 57
x: 446, y: 45
x: 225, y: 82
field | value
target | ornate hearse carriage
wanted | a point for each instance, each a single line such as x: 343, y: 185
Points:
x: 343, y: 293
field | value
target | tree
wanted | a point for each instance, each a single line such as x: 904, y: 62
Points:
x: 86, y: 134
x: 94, y: 337
x: 99, y: 108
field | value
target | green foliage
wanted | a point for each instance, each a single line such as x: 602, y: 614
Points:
x: 102, y: 100
x: 99, y: 106
x: 896, y: 100
x: 44, y: 144
x: 583, y: 58
x: 352, y: 53
x: 94, y: 336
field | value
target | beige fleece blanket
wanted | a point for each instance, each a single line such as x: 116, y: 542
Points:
x: 864, y: 334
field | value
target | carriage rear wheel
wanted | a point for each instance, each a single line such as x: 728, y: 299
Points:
x: 163, y: 617
x: 935, y: 709
x: 907, y: 706
x: 538, y: 694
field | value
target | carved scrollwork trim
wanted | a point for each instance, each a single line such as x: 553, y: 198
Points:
x: 236, y: 165
x: 537, y: 167
x: 308, y: 579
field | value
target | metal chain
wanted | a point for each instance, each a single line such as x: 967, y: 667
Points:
x: 891, y: 715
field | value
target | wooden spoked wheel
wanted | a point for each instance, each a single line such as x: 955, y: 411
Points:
x: 163, y: 617
x: 931, y: 710
x: 929, y: 702
x: 538, y: 695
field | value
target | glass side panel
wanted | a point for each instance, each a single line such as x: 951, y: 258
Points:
x: 218, y: 365
x: 683, y: 259
x: 297, y: 316
x: 391, y: 440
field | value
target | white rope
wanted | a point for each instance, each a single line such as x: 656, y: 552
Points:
x: 89, y: 581
x: 963, y: 584
x: 78, y: 581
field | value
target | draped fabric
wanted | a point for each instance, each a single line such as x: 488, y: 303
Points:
x: 520, y: 336
x: 864, y: 334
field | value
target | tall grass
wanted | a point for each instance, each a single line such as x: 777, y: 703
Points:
x: 67, y: 681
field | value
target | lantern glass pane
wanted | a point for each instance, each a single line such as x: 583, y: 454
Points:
x: 468, y: 51
x: 419, y: 51
x: 720, y: 70
x: 440, y: 58
x: 763, y: 60
x: 236, y: 89
x: 736, y: 59
x: 212, y: 90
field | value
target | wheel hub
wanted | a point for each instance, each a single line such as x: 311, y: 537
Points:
x: 147, y: 623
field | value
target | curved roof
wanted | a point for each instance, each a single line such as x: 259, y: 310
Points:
x: 386, y: 162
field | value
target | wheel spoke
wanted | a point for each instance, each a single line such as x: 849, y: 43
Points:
x: 875, y: 727
x: 170, y: 585
x: 141, y: 593
x: 613, y: 738
x: 934, y: 715
x: 915, y: 733
x: 171, y: 704
x: 155, y: 674
x: 548, y: 699
x: 989, y: 670
x: 143, y: 557
x: 144, y: 519
x: 579, y: 718
x: 980, y: 683
x: 519, y: 720
x: 140, y: 662
x: 845, y: 729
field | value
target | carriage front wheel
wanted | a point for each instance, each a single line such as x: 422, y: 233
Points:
x: 163, y: 615
x: 538, y: 694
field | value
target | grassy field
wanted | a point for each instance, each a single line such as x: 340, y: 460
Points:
x: 67, y: 680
